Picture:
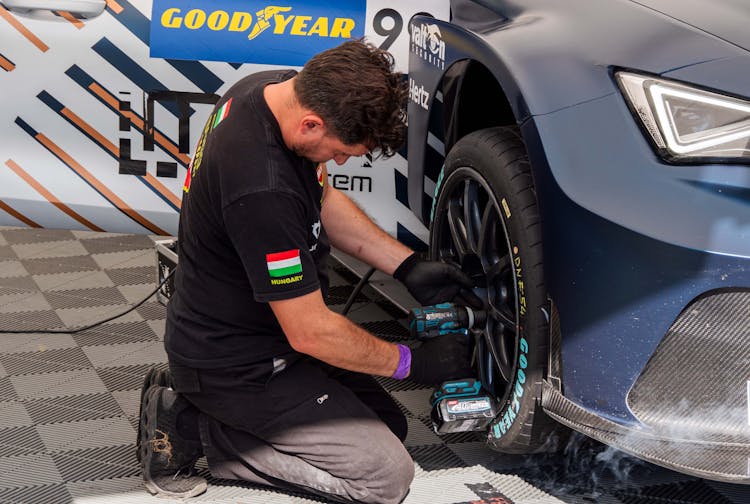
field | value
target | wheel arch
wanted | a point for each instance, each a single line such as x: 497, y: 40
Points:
x: 478, y: 90
x: 473, y: 99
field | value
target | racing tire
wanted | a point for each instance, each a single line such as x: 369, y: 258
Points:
x: 485, y: 220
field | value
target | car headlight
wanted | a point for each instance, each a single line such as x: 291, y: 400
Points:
x: 687, y: 123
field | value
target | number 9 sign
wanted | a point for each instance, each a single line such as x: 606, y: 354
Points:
x: 387, y: 24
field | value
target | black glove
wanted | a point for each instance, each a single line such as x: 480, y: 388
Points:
x: 432, y: 282
x: 443, y: 358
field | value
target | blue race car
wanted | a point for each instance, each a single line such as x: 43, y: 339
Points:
x: 588, y: 163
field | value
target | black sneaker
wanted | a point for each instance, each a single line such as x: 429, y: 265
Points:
x: 168, y: 459
x: 154, y: 376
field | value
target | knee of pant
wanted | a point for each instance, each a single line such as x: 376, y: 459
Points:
x: 397, y: 479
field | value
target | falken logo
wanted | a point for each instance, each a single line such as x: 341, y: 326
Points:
x: 418, y: 95
x: 316, y: 235
x: 271, y: 16
x: 316, y: 229
x: 427, y: 43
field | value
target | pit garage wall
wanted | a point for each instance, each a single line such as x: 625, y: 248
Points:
x: 75, y: 152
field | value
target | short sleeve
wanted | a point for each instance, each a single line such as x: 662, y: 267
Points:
x: 270, y: 233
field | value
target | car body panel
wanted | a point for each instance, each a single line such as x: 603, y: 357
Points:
x: 725, y: 19
x: 631, y: 240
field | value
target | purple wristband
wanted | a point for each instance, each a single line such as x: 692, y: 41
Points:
x: 404, y: 362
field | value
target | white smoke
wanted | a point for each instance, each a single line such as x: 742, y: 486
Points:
x: 583, y: 467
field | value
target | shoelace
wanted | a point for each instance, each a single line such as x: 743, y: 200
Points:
x: 188, y: 470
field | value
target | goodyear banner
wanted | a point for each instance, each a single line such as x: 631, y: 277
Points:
x: 250, y: 31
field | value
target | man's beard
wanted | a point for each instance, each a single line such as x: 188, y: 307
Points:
x: 306, y: 151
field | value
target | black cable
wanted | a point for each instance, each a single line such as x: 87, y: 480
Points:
x: 357, y: 289
x: 84, y: 328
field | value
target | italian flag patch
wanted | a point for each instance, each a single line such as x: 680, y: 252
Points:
x: 282, y: 264
x: 222, y: 113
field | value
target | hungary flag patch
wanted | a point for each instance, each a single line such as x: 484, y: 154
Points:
x: 283, y: 264
x: 222, y: 113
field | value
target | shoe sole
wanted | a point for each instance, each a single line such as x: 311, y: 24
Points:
x: 149, y: 406
x: 199, y: 488
x: 153, y: 376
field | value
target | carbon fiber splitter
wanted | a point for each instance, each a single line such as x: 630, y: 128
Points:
x: 68, y: 402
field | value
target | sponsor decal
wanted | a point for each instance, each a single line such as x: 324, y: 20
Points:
x: 316, y: 235
x: 252, y: 31
x: 222, y: 113
x: 316, y: 229
x: 320, y: 174
x: 468, y: 406
x: 418, y: 94
x: 265, y: 18
x: 279, y: 364
x: 197, y: 158
x: 427, y: 43
x: 353, y: 183
x: 506, y: 208
x: 284, y: 267
x: 502, y: 424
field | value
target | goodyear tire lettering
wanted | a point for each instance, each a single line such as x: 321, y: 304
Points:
x: 504, y: 423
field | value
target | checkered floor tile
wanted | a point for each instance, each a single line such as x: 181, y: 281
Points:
x: 69, y: 402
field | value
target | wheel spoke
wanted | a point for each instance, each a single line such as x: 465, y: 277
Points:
x: 499, y: 351
x: 457, y: 229
x: 487, y: 230
x: 495, y: 272
x: 502, y: 317
x: 471, y: 215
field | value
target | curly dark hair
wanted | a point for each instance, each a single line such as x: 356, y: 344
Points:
x: 354, y: 89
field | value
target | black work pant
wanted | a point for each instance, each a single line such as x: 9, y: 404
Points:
x: 309, y: 427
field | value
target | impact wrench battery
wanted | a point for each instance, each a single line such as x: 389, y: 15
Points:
x: 460, y: 406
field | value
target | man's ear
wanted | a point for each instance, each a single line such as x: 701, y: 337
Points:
x: 312, y: 126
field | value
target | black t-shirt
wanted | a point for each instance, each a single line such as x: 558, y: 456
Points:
x: 249, y: 233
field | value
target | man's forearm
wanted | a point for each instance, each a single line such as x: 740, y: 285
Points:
x: 348, y: 346
x: 353, y: 232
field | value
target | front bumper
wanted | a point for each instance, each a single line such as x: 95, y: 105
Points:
x: 692, y: 399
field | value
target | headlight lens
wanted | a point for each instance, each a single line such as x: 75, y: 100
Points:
x: 688, y: 123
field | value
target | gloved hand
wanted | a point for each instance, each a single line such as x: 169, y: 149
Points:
x: 432, y: 282
x: 443, y: 358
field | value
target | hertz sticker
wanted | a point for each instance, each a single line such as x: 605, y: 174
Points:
x: 245, y: 31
